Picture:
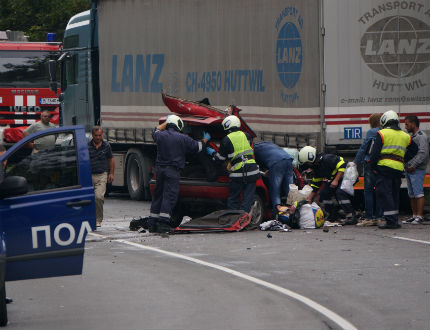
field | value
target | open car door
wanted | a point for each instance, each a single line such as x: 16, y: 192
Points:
x: 44, y: 220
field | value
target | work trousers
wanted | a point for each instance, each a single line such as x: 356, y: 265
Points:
x: 247, y: 189
x: 387, y: 197
x: 372, y: 209
x: 166, y: 193
x: 280, y: 177
x: 99, y: 183
x: 328, y: 198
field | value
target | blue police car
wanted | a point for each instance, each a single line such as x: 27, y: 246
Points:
x: 46, y: 207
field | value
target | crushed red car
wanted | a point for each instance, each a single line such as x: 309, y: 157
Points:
x: 204, y: 185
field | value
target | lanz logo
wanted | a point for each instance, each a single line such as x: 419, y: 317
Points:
x: 397, y: 46
x: 289, y: 49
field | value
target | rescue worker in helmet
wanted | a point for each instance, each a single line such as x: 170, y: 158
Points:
x: 236, y: 148
x: 172, y: 147
x: 391, y: 149
x: 327, y: 171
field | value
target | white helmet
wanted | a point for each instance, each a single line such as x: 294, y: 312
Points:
x: 388, y: 116
x: 176, y: 121
x: 230, y: 122
x: 307, y: 154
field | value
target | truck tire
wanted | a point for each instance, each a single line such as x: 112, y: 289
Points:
x: 3, y: 308
x: 257, y: 210
x: 137, y: 175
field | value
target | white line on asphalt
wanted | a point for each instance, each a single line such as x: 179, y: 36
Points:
x: 412, y: 240
x: 340, y: 321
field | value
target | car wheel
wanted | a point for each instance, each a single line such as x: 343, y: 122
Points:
x: 3, y: 308
x: 257, y: 211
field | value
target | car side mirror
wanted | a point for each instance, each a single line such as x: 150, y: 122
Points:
x: 13, y: 186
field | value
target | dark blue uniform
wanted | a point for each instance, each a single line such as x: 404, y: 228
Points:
x: 326, y: 167
x: 172, y: 146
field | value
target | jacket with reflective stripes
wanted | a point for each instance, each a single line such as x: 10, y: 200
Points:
x: 242, y: 153
x: 326, y: 167
x: 233, y: 146
x: 394, y: 144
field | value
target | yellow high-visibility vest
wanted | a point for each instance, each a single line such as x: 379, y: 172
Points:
x: 394, y: 144
x: 241, y: 148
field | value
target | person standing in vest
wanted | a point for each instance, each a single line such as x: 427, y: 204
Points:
x: 391, y: 148
x: 172, y: 147
x: 416, y: 169
x: 244, y: 172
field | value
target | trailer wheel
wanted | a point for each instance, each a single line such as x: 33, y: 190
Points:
x: 257, y: 211
x: 138, y: 176
x: 3, y: 308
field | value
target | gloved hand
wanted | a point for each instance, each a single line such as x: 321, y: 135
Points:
x: 210, y: 151
x: 206, y: 136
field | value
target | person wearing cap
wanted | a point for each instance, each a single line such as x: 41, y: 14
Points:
x: 327, y: 173
x: 172, y: 147
x: 236, y: 148
x: 391, y: 149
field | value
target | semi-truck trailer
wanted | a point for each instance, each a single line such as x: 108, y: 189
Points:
x: 303, y: 71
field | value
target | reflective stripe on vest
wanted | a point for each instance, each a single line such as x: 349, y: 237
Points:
x: 241, y: 148
x: 394, y: 142
x: 337, y: 169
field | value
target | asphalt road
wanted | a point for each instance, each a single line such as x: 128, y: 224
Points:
x: 350, y: 277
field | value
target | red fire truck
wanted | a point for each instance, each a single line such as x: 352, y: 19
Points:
x: 24, y: 85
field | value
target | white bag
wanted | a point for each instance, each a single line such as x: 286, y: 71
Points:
x: 311, y: 216
x: 349, y: 178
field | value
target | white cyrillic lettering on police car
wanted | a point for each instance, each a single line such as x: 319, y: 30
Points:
x: 85, y: 226
x: 71, y: 230
x: 47, y: 231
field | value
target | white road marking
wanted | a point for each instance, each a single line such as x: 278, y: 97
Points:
x: 412, y: 240
x: 340, y: 321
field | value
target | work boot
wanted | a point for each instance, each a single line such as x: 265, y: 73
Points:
x: 163, y: 228
x: 389, y: 225
x: 349, y: 221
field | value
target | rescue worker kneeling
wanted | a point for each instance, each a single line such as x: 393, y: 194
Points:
x: 244, y: 172
x: 328, y: 170
x: 172, y: 147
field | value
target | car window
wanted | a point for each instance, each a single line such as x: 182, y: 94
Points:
x: 48, y: 162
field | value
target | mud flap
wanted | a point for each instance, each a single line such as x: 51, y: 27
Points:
x: 218, y: 221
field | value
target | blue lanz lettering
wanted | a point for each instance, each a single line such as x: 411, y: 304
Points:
x: 141, y: 73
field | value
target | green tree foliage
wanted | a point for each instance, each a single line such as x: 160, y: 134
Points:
x: 38, y: 17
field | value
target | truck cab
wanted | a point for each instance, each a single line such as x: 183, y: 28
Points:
x: 46, y: 207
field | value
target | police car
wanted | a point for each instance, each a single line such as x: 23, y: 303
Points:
x: 46, y: 207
